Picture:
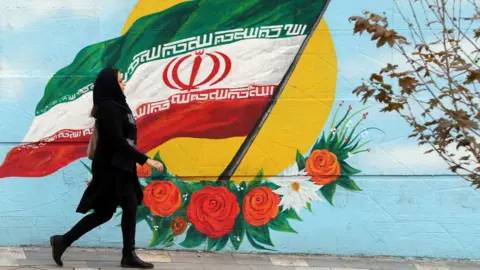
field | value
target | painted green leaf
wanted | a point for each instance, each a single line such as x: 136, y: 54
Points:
x: 193, y: 238
x: 347, y: 169
x: 292, y: 214
x: 347, y: 183
x: 260, y: 234
x: 182, y: 212
x: 233, y: 188
x: 159, y: 234
x: 300, y: 161
x: 169, y: 241
x: 156, y: 174
x: 255, y: 244
x: 236, y: 236
x: 332, y: 142
x: 256, y: 181
x: 281, y: 224
x: 320, y: 144
x: 211, y: 243
x: 271, y: 185
x: 142, y: 212
x: 149, y: 222
x: 243, y: 185
x: 309, y: 207
x: 192, y: 187
x: 222, y: 242
x: 328, y: 191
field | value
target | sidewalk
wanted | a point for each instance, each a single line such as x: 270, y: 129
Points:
x: 97, y: 258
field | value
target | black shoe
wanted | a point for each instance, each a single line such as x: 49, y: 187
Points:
x: 58, y: 248
x: 131, y: 260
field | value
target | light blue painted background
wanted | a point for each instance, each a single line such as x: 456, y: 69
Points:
x: 410, y: 204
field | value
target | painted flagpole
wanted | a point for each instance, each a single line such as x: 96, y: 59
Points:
x: 237, y: 159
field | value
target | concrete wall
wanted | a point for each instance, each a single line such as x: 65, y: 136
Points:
x: 395, y: 201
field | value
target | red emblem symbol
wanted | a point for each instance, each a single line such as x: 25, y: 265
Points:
x: 217, y: 73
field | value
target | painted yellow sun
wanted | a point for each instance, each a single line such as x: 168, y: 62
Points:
x: 295, y: 122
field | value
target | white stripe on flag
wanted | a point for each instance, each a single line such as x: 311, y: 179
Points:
x: 254, y: 61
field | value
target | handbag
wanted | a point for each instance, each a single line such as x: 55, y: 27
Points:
x: 92, y: 144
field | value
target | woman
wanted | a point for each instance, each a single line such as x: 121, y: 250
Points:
x: 115, y: 182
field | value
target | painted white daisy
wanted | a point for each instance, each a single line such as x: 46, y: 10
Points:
x: 295, y: 188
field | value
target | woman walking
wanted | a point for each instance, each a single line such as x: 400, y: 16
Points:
x: 115, y: 182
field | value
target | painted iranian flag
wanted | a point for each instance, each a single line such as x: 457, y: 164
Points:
x: 200, y: 69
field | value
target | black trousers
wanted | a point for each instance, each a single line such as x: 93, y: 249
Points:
x: 129, y: 221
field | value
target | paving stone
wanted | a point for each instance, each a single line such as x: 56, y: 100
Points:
x: 186, y: 266
x: 38, y: 253
x: 109, y: 259
x: 11, y: 253
x: 154, y: 256
x: 50, y: 263
x: 113, y: 255
x: 27, y: 268
x: 387, y: 263
x: 108, y: 267
x: 252, y: 259
x: 464, y: 266
x: 350, y: 268
x: 287, y: 260
x: 311, y: 268
x: 214, y: 258
x: 325, y: 261
x: 432, y: 266
x: 271, y: 267
x: 5, y: 263
x: 103, y: 264
x: 226, y: 266
x: 362, y: 263
x: 40, y: 267
x: 185, y: 257
x: 77, y: 254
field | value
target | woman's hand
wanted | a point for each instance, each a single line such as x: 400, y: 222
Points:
x: 155, y: 164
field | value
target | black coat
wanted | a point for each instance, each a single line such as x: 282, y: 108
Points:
x: 114, y: 163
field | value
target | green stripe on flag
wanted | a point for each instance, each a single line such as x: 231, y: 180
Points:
x: 183, y: 21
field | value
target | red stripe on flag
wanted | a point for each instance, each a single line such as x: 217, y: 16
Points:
x: 213, y: 119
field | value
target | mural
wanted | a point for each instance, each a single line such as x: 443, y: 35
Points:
x: 250, y: 106
x: 223, y: 211
x: 191, y: 76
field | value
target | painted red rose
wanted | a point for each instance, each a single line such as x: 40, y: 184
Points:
x: 179, y: 225
x: 213, y: 210
x: 163, y: 198
x: 144, y: 171
x: 260, y: 206
x: 323, y: 167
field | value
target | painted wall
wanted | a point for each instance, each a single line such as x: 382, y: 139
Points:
x: 390, y: 199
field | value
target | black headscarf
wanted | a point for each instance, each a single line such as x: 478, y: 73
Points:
x: 106, y: 87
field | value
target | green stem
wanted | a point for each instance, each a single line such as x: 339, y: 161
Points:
x: 355, y: 128
x: 342, y: 131
x: 360, y: 146
x: 353, y: 115
x: 348, y: 119
x: 342, y: 120
x: 334, y: 117
x: 371, y: 128
x: 358, y: 152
